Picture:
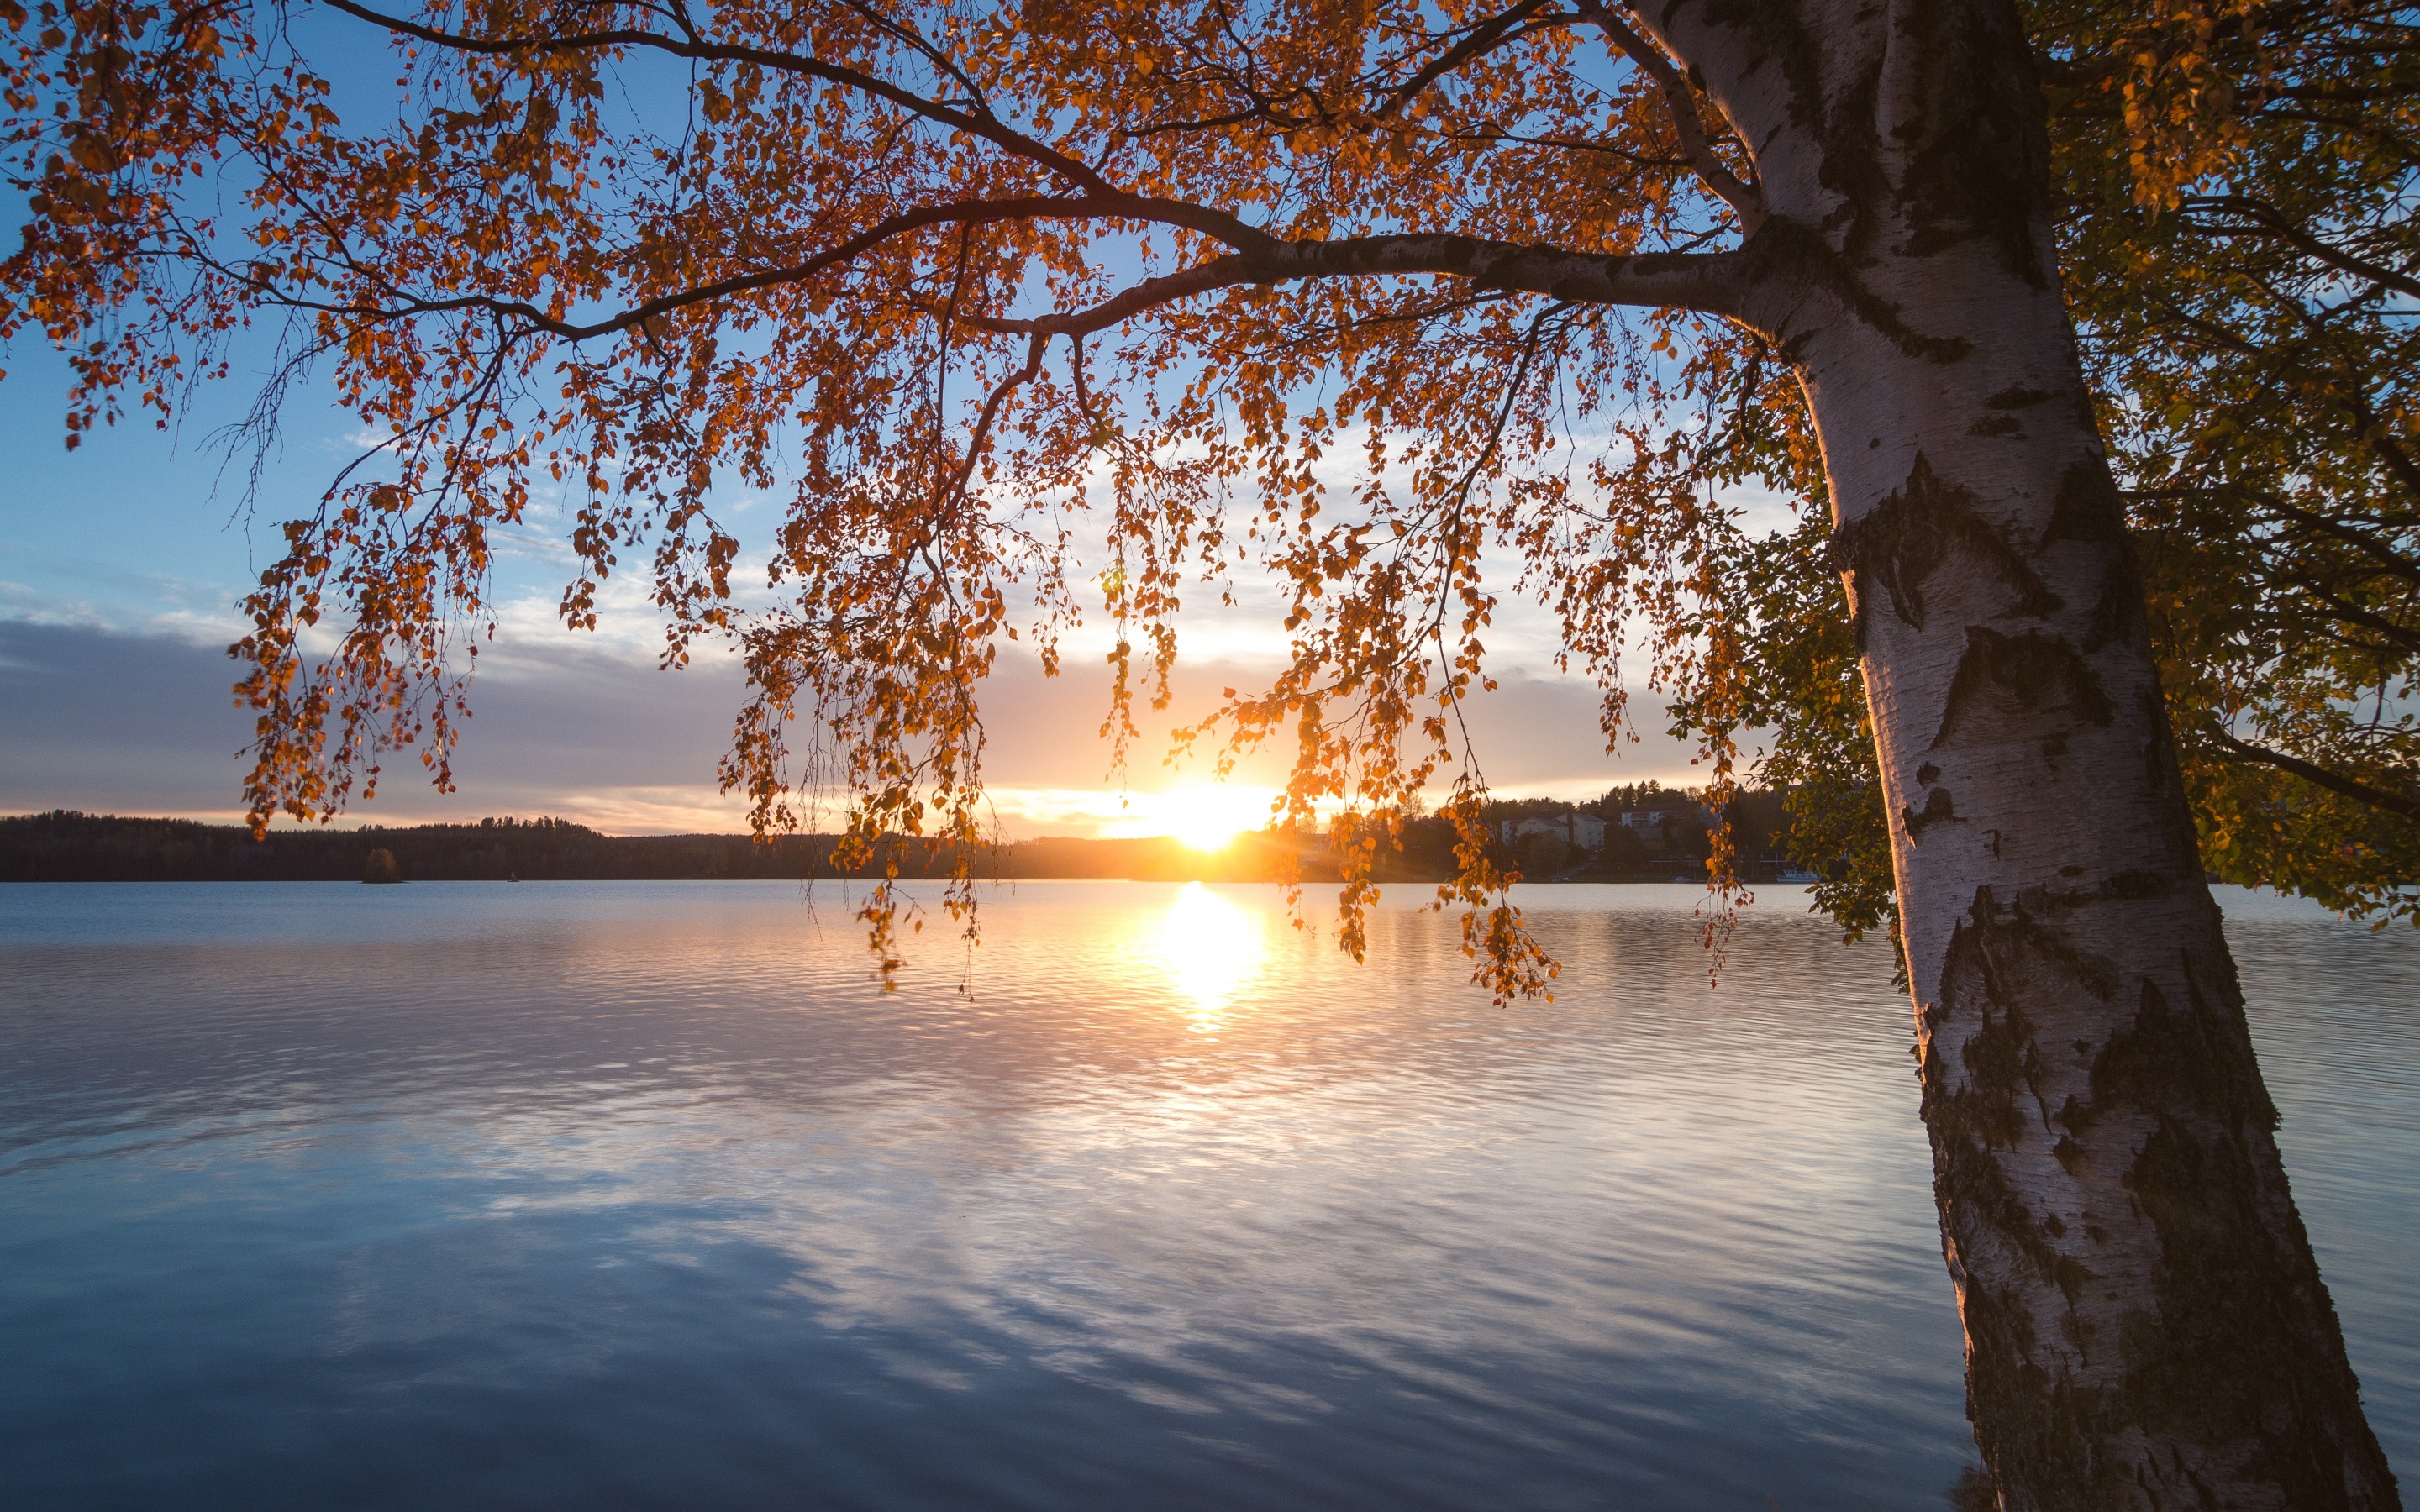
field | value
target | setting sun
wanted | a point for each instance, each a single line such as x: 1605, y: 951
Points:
x: 1208, y: 818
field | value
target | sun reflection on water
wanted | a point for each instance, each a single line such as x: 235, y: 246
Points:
x: 1211, y: 948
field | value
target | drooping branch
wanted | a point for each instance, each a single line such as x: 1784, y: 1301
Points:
x: 979, y: 440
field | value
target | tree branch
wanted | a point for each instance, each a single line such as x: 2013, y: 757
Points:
x: 1680, y: 102
x: 2389, y: 557
x: 978, y: 122
x: 981, y: 437
x: 973, y: 212
x: 2401, y: 639
x: 2318, y: 776
x: 1480, y: 39
x: 2270, y: 222
x: 1704, y: 281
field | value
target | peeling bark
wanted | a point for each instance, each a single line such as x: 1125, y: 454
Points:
x: 1901, y: 540
x: 2145, y: 1327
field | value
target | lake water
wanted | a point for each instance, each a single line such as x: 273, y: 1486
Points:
x: 639, y: 1194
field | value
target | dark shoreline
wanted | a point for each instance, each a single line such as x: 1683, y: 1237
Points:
x: 67, y: 847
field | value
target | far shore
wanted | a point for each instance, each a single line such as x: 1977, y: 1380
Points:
x: 77, y: 847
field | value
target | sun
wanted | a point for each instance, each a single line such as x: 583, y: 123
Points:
x: 1208, y: 818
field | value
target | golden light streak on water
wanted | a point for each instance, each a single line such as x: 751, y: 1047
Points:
x: 1213, y: 948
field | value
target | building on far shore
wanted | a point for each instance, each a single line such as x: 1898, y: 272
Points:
x: 1662, y: 832
x: 1649, y: 823
x: 1582, y: 831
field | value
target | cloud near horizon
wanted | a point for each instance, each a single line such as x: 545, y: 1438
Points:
x: 115, y: 723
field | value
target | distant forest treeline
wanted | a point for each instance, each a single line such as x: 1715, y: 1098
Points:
x: 68, y: 846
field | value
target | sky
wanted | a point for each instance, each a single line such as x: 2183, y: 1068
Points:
x: 121, y: 564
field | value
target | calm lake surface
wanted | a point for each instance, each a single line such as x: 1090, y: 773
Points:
x: 641, y: 1194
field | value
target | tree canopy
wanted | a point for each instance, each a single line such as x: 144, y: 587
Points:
x: 1037, y: 312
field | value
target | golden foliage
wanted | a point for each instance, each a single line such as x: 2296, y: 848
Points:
x: 970, y: 287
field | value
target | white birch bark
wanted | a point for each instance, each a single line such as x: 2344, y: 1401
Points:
x: 2145, y: 1327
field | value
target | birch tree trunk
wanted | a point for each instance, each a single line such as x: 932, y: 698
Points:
x: 2145, y: 1327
